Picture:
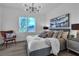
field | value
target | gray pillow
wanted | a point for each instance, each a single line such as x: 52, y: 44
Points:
x: 43, y: 34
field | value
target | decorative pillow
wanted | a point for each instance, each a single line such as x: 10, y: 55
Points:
x: 50, y: 34
x: 55, y: 34
x: 60, y: 34
x: 8, y: 35
x: 43, y: 34
x: 12, y: 34
x: 65, y: 35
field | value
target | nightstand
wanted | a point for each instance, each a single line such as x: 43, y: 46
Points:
x: 73, y: 44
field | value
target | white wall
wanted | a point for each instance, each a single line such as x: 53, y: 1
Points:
x: 10, y: 17
x: 1, y: 22
x: 73, y: 9
x: 0, y: 17
x: 10, y: 21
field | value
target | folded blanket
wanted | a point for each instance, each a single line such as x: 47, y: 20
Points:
x: 55, y: 45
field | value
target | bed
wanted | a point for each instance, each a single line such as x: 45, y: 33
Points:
x: 37, y: 47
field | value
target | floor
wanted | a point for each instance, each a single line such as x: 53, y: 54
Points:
x: 19, y: 50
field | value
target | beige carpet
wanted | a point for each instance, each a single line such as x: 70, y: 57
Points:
x: 19, y: 50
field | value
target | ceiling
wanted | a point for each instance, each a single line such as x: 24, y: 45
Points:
x: 46, y: 7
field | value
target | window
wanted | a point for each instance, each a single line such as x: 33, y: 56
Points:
x: 22, y: 24
x: 27, y: 24
x: 31, y: 24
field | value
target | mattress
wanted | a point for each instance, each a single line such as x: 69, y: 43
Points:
x: 35, y: 43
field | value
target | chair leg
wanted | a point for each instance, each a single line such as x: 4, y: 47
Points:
x: 5, y: 44
x: 15, y: 41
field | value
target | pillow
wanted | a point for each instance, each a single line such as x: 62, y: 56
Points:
x: 55, y: 34
x: 60, y: 34
x: 50, y: 34
x: 43, y: 34
x: 8, y: 35
x: 12, y: 34
x: 65, y: 35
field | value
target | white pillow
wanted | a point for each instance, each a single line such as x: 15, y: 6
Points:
x: 12, y: 34
x: 8, y: 35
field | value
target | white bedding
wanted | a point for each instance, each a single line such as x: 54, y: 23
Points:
x: 54, y: 44
x: 36, y: 43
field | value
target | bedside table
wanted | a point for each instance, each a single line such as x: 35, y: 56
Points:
x: 73, y: 44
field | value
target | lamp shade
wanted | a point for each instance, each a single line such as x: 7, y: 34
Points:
x: 45, y: 28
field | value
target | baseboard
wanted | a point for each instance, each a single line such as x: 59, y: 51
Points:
x: 20, y: 41
x: 16, y: 42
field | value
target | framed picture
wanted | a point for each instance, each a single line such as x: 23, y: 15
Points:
x: 60, y: 22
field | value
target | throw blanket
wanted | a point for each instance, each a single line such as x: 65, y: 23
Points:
x: 55, y: 45
x: 35, y: 42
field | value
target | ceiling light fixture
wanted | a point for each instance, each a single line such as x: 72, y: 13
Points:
x: 32, y: 7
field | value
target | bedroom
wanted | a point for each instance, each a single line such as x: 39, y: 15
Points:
x: 9, y: 20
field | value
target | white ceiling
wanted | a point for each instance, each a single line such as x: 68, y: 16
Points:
x: 46, y: 7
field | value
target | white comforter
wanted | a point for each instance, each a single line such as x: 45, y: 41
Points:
x: 54, y: 44
x: 36, y: 43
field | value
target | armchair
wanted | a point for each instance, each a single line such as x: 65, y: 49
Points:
x: 8, y: 36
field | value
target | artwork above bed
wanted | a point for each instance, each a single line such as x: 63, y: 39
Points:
x: 61, y: 22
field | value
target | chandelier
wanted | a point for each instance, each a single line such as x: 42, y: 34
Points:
x: 32, y: 7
